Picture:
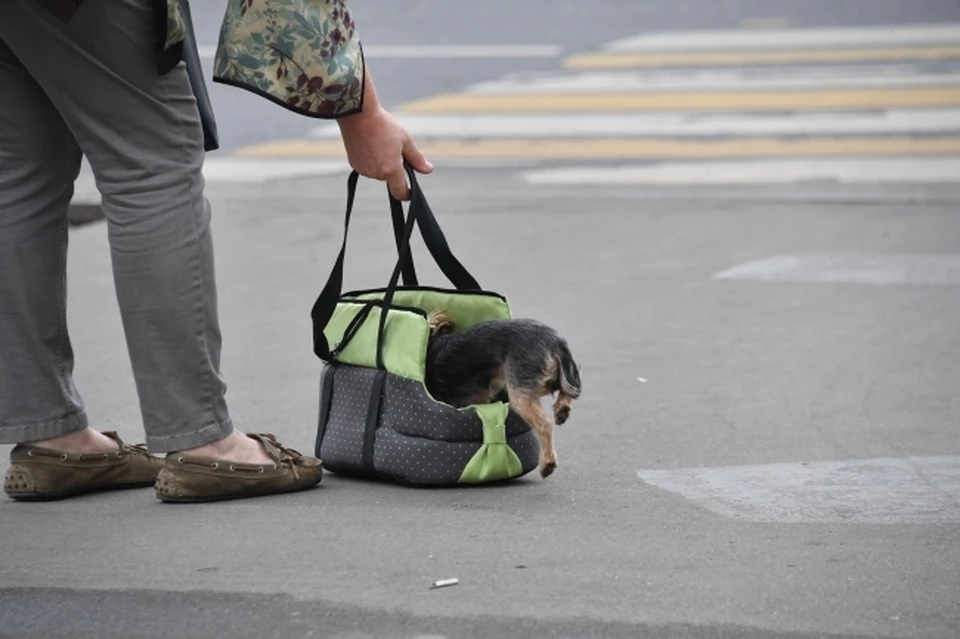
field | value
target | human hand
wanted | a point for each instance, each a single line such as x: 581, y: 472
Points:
x: 377, y: 146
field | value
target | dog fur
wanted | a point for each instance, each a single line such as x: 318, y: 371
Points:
x: 522, y: 358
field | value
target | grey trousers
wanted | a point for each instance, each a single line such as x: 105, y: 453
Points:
x: 91, y: 88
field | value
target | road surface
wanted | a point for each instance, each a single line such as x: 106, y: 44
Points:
x: 751, y: 239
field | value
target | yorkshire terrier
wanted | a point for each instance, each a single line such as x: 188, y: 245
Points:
x: 522, y: 358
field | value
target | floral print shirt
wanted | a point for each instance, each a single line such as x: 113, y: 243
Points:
x: 302, y: 54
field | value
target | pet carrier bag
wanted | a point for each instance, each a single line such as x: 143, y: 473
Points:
x: 376, y: 417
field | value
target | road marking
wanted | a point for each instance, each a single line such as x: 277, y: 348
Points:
x: 237, y: 169
x: 799, y: 37
x: 229, y: 170
x: 706, y: 101
x: 233, y: 170
x: 633, y: 148
x: 860, y: 170
x: 743, y: 78
x: 735, y: 58
x: 905, y: 101
x: 653, y: 125
x: 879, y: 270
x: 910, y: 490
x: 445, y: 51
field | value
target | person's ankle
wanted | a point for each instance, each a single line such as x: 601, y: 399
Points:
x: 235, y: 447
x: 86, y: 440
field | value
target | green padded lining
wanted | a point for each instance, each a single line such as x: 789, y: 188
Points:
x: 406, y: 332
x: 465, y: 308
x: 495, y: 460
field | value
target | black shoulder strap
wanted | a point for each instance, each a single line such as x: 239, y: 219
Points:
x: 191, y: 59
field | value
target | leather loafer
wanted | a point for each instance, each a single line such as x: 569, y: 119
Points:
x: 39, y: 474
x: 189, y: 478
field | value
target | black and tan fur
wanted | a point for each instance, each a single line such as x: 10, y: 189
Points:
x: 523, y: 358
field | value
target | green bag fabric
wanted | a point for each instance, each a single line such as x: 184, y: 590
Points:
x: 377, y: 418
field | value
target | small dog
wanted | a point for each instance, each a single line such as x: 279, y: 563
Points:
x: 522, y: 357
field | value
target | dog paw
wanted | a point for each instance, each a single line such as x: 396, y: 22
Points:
x: 547, y: 468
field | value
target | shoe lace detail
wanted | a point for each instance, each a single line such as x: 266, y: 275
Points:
x: 139, y: 450
x: 136, y: 449
x: 281, y: 455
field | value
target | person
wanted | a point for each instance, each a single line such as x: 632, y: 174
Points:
x: 106, y: 80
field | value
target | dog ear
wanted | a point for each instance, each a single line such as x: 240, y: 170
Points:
x: 439, y: 322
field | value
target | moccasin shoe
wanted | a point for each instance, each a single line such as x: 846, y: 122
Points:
x: 188, y: 478
x: 38, y: 474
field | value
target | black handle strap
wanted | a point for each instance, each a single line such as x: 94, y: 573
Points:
x: 394, y: 278
x: 396, y: 212
x: 434, y: 238
x: 436, y: 243
x: 326, y: 302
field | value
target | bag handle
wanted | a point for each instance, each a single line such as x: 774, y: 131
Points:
x: 434, y: 239
x: 396, y: 212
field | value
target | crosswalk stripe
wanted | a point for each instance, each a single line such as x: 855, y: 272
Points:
x: 904, y: 490
x: 887, y: 94
x: 442, y: 51
x: 730, y: 58
x: 637, y: 148
x: 659, y: 125
x: 795, y: 37
x: 225, y: 171
x: 743, y: 78
x: 751, y: 172
x: 691, y: 101
x: 938, y: 269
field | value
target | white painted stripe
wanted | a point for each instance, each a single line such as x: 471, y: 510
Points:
x: 795, y: 38
x: 445, y: 51
x: 236, y: 171
x: 910, y: 490
x: 879, y: 270
x: 245, y: 171
x: 683, y: 125
x: 741, y: 78
x: 866, y: 170
x: 228, y: 170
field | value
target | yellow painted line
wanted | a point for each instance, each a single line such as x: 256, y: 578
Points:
x: 634, y: 148
x: 723, y: 58
x: 689, y: 101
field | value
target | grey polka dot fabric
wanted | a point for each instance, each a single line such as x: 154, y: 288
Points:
x: 408, y: 409
x: 417, y: 440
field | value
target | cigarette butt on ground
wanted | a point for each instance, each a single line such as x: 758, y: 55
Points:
x: 443, y: 583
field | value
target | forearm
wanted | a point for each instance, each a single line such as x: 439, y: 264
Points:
x: 371, y: 105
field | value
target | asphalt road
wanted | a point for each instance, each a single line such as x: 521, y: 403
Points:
x: 573, y: 24
x: 766, y: 446
x: 681, y: 370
